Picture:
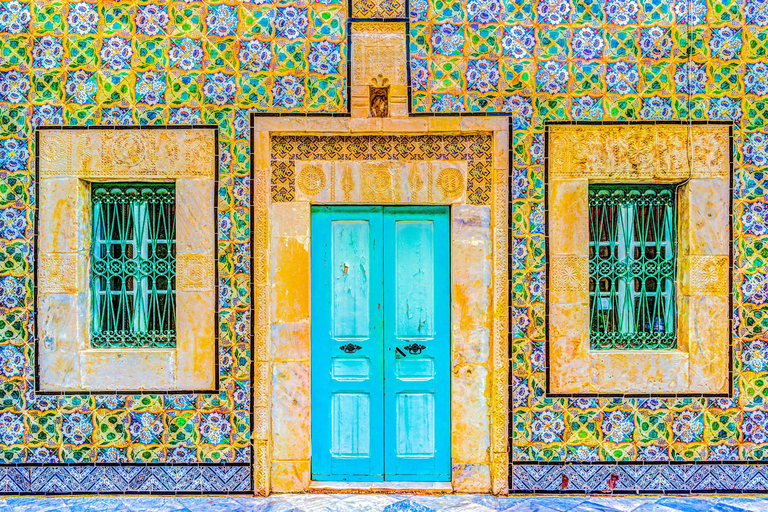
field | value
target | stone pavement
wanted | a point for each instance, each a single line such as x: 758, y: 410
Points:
x: 391, y: 503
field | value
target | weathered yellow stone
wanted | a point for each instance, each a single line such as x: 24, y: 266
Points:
x: 291, y: 411
x: 359, y: 105
x: 471, y: 272
x: 261, y: 154
x: 705, y: 204
x: 276, y: 125
x: 291, y: 475
x: 64, y: 215
x: 291, y: 341
x: 116, y: 369
x: 195, y: 218
x: 570, y: 359
x: 289, y: 262
x: 471, y: 478
x: 444, y: 124
x: 485, y: 124
x: 568, y: 216
x: 63, y: 273
x: 365, y: 125
x: 195, y: 272
x: 323, y: 125
x: 378, y: 49
x: 501, y: 151
x: 470, y: 422
x: 449, y: 181
x: 195, y: 338
x: 55, y: 153
x: 360, y: 92
x: 284, y: 318
x: 399, y: 91
x: 398, y: 106
x: 645, y: 371
x: 703, y: 275
x: 314, y: 180
x: 711, y: 150
x: 707, y: 332
x: 199, y: 150
x: 62, y: 335
x: 405, y: 125
x: 85, y: 160
x: 569, y: 279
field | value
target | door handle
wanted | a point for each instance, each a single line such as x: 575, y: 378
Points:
x: 350, y: 348
x: 414, y: 348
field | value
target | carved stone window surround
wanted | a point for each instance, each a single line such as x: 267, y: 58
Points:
x: 641, y: 153
x: 68, y: 160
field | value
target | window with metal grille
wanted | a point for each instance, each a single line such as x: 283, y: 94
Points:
x: 632, y: 264
x: 133, y: 265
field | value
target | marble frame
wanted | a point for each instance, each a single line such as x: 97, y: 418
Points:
x: 698, y: 158
x: 281, y: 308
x: 69, y: 159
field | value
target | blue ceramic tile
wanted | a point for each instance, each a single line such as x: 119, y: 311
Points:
x: 40, y: 505
x: 752, y: 504
x: 687, y: 504
x: 388, y: 503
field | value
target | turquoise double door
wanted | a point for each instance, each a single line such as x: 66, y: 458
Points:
x: 381, y: 343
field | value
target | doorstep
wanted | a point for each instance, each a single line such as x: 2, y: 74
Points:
x: 383, y: 487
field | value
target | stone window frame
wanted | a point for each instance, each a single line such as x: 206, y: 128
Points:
x: 282, y: 461
x: 71, y: 157
x: 577, y: 153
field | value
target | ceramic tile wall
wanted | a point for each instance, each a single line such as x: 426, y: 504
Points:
x: 186, y: 62
x: 609, y: 60
x: 148, y: 63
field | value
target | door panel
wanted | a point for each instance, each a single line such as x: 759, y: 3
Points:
x: 350, y: 425
x: 347, y: 346
x: 415, y: 424
x: 380, y: 343
x: 417, y: 343
x: 414, y: 307
x: 351, y: 289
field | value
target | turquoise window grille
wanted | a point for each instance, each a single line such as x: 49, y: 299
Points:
x: 632, y: 267
x: 133, y: 265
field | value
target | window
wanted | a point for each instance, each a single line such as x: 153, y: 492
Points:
x: 133, y: 265
x: 632, y: 264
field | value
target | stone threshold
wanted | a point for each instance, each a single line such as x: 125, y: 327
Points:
x: 381, y: 487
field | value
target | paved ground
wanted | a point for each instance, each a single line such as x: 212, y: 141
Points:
x: 393, y: 503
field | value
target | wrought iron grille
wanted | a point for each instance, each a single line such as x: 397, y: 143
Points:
x: 632, y: 266
x: 133, y: 265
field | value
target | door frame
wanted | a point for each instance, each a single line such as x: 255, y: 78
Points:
x: 381, y: 219
x: 282, y: 276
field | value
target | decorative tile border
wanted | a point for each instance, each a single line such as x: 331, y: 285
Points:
x: 638, y: 478
x: 286, y: 150
x: 125, y: 479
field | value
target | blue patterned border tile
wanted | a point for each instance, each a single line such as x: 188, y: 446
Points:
x: 580, y: 478
x: 125, y: 479
x: 14, y: 480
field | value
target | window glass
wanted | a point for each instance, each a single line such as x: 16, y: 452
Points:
x: 133, y: 265
x: 632, y: 260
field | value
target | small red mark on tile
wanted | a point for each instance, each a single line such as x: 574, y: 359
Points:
x: 612, y: 482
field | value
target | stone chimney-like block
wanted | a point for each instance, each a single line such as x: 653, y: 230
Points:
x: 379, y: 60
